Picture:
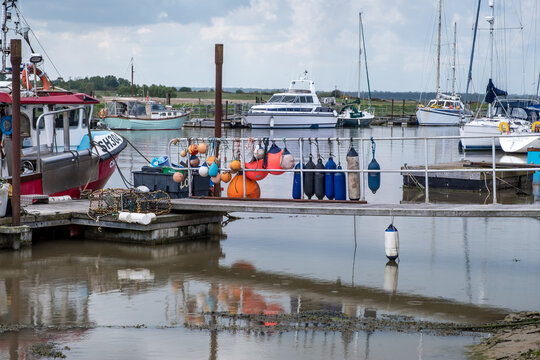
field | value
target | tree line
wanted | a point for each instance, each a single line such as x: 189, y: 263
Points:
x: 118, y: 86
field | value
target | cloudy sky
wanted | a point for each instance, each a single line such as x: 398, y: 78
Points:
x: 269, y: 42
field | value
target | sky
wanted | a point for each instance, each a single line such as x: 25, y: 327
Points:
x: 268, y: 43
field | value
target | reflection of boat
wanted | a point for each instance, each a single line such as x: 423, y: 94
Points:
x: 351, y: 115
x: 298, y: 107
x: 133, y: 114
x: 59, y: 155
x: 444, y: 109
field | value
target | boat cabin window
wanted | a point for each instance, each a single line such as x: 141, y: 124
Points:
x: 137, y: 109
x: 73, y: 117
x: 288, y: 99
x: 519, y: 113
x: 25, y: 125
x: 36, y: 112
x: 87, y: 115
x: 275, y: 98
x: 309, y: 99
x: 157, y: 107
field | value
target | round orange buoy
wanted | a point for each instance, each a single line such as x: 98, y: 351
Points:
x: 256, y: 175
x: 178, y: 177
x: 274, y: 159
x: 183, y: 153
x: 210, y: 160
x: 236, y: 188
x: 202, y: 148
x: 235, y: 165
x: 226, y: 177
x: 192, y: 149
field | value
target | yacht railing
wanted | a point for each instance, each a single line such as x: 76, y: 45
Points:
x: 363, y: 170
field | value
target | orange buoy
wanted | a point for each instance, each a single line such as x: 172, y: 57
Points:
x: 178, y: 177
x: 236, y: 188
x: 202, y: 148
x: 210, y: 160
x: 183, y: 153
x: 274, y: 159
x: 235, y: 165
x: 192, y: 149
x: 27, y: 84
x: 226, y: 177
x: 256, y: 175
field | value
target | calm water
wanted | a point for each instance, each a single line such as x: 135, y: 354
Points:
x: 135, y: 302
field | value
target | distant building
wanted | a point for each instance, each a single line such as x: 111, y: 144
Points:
x: 328, y: 100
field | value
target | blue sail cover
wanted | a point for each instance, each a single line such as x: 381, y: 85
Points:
x: 492, y: 92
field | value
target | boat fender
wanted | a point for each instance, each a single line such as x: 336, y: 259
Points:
x: 287, y: 159
x: 503, y: 126
x: 374, y: 178
x: 318, y: 180
x: 391, y: 242
x: 236, y: 188
x: 535, y: 126
x: 353, y: 177
x: 213, y: 170
x: 203, y: 170
x: 309, y: 188
x: 296, y: 189
x: 274, y: 159
x: 340, y: 189
x: 329, y: 179
x: 255, y: 164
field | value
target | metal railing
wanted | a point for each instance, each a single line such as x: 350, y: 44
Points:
x: 360, y: 142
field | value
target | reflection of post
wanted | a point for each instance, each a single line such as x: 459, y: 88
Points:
x: 390, y: 277
x: 213, y: 339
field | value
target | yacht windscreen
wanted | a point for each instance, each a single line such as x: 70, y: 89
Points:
x: 158, y: 107
x: 275, y: 98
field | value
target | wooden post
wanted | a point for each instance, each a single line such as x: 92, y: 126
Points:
x: 16, y: 134
x: 168, y: 98
x: 219, y: 106
x: 392, y: 112
x: 226, y: 110
x: 403, y: 109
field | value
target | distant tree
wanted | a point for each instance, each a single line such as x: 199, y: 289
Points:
x: 239, y: 91
x: 185, y: 89
x: 336, y: 93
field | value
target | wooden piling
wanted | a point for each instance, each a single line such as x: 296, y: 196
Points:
x: 219, y: 107
x: 16, y: 126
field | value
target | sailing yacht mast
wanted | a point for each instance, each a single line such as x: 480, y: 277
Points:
x: 365, y: 61
x: 454, y: 65
x: 439, y: 49
x: 359, y: 52
x: 491, y: 20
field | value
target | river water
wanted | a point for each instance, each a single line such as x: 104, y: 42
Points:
x: 122, y: 301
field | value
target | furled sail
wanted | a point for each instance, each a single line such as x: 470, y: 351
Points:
x: 492, y: 92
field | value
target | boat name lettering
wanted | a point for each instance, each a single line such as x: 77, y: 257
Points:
x: 109, y: 142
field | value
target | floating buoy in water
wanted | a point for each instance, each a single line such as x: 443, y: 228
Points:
x: 287, y: 159
x: 236, y: 188
x: 203, y: 170
x: 255, y: 175
x: 329, y: 179
x: 391, y: 242
x: 183, y: 153
x: 309, y: 188
x: 213, y: 170
x: 354, y: 178
x: 340, y: 188
x: 296, y: 189
x: 374, y: 178
x: 318, y: 180
x: 202, y: 147
x: 274, y: 159
x: 210, y: 160
x: 192, y: 149
x: 178, y: 177
x: 235, y: 165
x: 194, y: 161
x: 226, y: 177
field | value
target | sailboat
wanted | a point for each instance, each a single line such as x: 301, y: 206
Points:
x: 350, y: 114
x: 502, y: 115
x: 445, y: 109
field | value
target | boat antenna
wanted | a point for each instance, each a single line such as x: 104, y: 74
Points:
x: 365, y: 60
x: 439, y: 49
x: 131, y: 77
x: 469, y: 76
x: 359, y: 53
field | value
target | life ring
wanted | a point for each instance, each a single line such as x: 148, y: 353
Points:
x: 535, y: 126
x: 102, y: 113
x: 27, y: 84
x: 503, y: 125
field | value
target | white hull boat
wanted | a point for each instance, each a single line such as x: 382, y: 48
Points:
x: 519, y: 144
x: 441, y: 116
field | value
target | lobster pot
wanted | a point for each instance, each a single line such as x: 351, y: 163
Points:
x: 354, y: 178
x: 391, y: 242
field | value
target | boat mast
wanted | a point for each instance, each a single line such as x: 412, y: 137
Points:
x: 491, y: 20
x: 469, y: 75
x: 454, y: 65
x: 359, y: 52
x: 439, y: 49
x: 365, y: 60
x: 5, y: 47
x: 131, y: 77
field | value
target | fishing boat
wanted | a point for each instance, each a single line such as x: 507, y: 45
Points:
x: 445, y: 109
x: 137, y: 114
x: 503, y: 115
x: 351, y: 115
x: 60, y: 155
x: 298, y: 107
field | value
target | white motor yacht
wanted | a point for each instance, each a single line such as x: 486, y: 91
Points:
x: 299, y: 107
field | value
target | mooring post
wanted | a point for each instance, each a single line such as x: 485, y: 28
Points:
x: 426, y: 169
x: 392, y: 113
x: 362, y: 181
x: 403, y: 109
x: 219, y: 108
x: 16, y: 126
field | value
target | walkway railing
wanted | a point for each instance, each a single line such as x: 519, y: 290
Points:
x: 242, y: 145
